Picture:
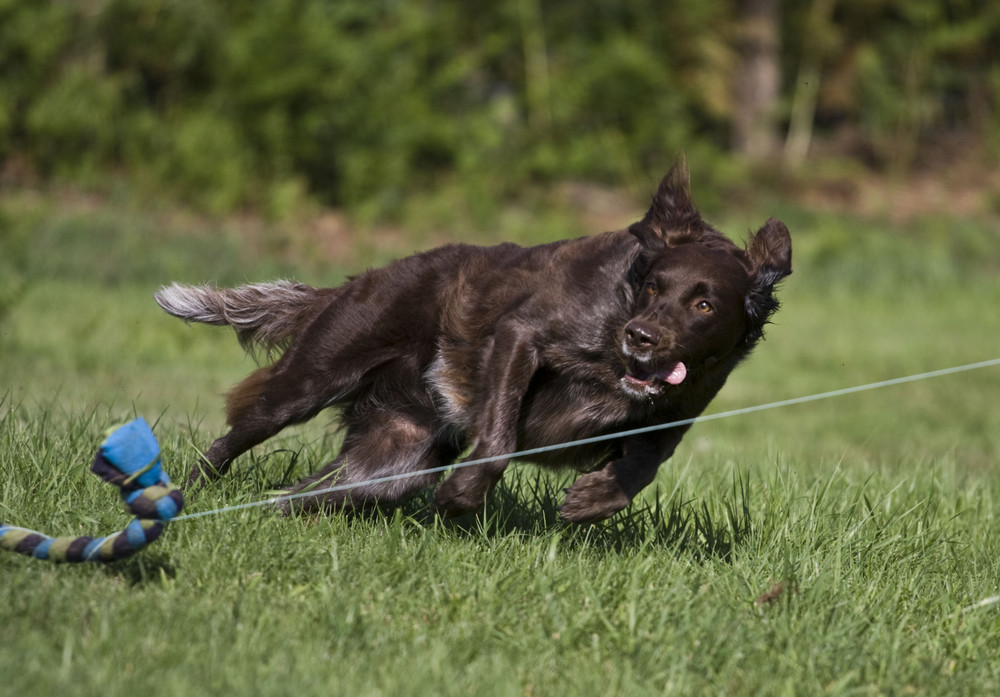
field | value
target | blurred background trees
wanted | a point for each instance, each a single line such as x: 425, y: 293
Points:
x: 235, y: 104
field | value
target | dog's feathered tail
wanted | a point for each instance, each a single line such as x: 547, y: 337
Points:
x: 265, y: 316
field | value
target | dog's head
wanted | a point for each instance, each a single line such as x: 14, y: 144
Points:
x: 699, y: 300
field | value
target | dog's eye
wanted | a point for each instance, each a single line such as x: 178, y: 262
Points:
x: 650, y: 288
x: 704, y: 306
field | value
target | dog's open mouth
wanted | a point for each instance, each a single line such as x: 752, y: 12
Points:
x: 650, y: 379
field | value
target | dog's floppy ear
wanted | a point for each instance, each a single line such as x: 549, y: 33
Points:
x: 769, y: 253
x: 672, y: 214
x: 770, y: 249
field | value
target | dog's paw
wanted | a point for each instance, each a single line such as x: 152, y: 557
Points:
x: 458, y: 495
x: 280, y: 505
x: 198, y: 477
x: 593, y: 497
x: 204, y: 473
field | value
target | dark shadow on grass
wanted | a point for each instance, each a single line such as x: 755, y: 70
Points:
x: 141, y: 568
x: 529, y: 504
x: 526, y: 503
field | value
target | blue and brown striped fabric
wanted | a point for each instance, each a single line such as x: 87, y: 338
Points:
x: 129, y: 458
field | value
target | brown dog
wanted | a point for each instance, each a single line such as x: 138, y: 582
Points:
x: 502, y: 349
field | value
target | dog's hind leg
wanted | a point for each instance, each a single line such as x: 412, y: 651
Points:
x: 382, y: 462
x: 266, y: 402
x: 345, y: 352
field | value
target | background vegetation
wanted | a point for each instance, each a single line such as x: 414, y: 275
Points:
x: 230, y: 104
x: 844, y: 547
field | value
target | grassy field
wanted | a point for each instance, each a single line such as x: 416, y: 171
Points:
x: 844, y: 547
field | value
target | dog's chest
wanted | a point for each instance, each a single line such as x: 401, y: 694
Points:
x: 451, y: 381
x: 558, y: 406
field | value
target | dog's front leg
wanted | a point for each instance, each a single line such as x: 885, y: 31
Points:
x: 602, y: 493
x: 512, y: 362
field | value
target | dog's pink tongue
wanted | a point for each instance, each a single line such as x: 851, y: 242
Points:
x: 677, y: 375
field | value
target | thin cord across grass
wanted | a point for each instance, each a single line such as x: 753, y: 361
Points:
x: 610, y: 436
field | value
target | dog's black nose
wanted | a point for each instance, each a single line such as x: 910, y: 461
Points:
x: 641, y: 335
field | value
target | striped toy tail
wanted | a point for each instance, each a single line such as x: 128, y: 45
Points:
x: 264, y: 315
x: 136, y: 535
x: 129, y: 458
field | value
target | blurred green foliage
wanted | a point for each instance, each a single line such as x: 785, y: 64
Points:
x: 229, y: 103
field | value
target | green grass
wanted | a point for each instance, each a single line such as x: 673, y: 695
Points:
x: 876, y: 513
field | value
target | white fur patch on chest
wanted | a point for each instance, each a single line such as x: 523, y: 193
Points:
x: 453, y: 388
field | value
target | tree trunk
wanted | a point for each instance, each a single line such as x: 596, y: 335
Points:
x: 757, y: 79
x: 806, y: 89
